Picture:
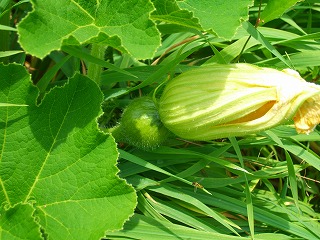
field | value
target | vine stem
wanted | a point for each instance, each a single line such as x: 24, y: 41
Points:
x: 95, y: 70
x: 258, y: 21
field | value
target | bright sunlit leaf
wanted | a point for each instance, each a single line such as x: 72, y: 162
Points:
x: 124, y: 25
x: 57, y: 170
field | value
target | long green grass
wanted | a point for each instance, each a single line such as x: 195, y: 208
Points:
x: 263, y: 186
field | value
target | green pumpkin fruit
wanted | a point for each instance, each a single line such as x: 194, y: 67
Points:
x: 141, y: 126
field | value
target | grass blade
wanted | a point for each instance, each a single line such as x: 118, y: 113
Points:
x: 247, y: 188
x: 258, y: 36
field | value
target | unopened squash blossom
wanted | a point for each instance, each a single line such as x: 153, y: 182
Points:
x: 217, y: 101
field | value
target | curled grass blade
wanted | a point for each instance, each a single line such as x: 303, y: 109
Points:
x: 165, y: 189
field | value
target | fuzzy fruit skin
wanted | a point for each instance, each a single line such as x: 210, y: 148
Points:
x: 141, y: 126
x: 218, y: 101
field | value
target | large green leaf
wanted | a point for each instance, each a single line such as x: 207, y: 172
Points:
x: 220, y: 16
x: 275, y: 8
x: 169, y: 11
x: 54, y: 159
x: 124, y: 25
x: 18, y: 223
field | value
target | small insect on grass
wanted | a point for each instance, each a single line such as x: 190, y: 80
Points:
x: 198, y: 185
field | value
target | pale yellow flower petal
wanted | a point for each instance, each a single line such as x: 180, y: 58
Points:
x: 308, y: 115
x: 217, y: 101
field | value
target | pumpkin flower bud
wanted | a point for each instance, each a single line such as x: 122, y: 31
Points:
x: 217, y: 101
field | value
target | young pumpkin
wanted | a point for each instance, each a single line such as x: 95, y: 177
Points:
x: 140, y: 125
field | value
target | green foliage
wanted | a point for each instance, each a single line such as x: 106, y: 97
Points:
x: 59, y: 171
x: 222, y: 17
x: 53, y: 23
x: 55, y: 164
x: 275, y: 9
